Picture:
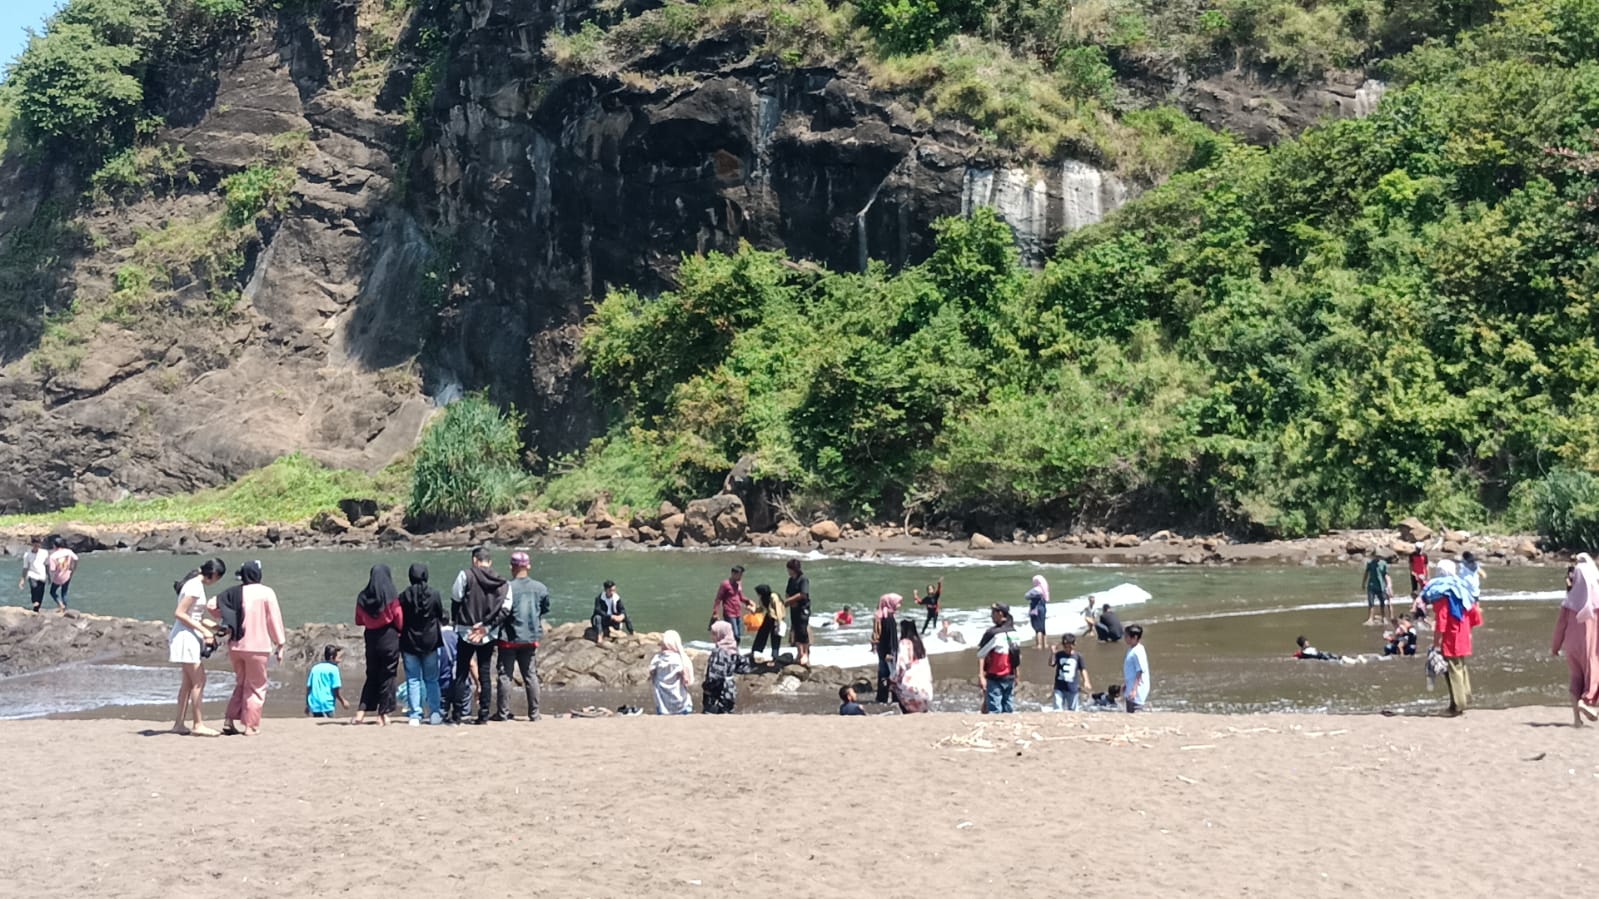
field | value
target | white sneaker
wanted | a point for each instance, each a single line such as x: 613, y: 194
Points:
x: 415, y: 722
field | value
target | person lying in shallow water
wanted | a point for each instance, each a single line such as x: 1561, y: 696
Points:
x: 1306, y: 651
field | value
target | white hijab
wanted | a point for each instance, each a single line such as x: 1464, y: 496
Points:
x: 1583, y: 597
x: 672, y: 644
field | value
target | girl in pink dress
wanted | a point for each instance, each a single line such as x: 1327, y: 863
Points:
x: 1577, y: 635
x: 913, y: 676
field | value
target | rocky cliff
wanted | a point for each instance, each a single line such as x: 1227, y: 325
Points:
x: 456, y: 202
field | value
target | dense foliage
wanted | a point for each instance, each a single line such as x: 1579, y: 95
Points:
x: 1387, y: 316
x: 468, y: 465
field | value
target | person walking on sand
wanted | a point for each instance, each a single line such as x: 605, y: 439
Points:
x: 730, y: 604
x: 1455, y: 614
x: 476, y: 616
x: 1038, y: 610
x: 609, y: 613
x: 190, y: 642
x: 378, y: 610
x: 931, y: 602
x: 720, y: 690
x: 1135, y: 670
x: 671, y: 676
x: 1577, y: 636
x: 521, y: 628
x: 1379, y: 589
x: 249, y: 610
x: 422, y: 610
x: 770, y: 633
x: 913, y: 675
x: 885, y: 639
x: 797, y: 596
x: 999, y: 657
x: 62, y: 563
x: 34, y: 575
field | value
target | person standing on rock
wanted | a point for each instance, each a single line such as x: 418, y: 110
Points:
x: 249, y: 610
x: 797, y: 596
x: 34, y: 574
x: 188, y: 642
x: 377, y: 609
x: 770, y: 634
x: 1379, y: 589
x: 476, y: 616
x: 885, y: 641
x: 998, y: 658
x: 1577, y: 635
x: 609, y: 614
x: 62, y: 563
x: 730, y: 604
x: 1455, y: 613
x: 521, y: 628
x: 420, y: 638
x: 1038, y: 611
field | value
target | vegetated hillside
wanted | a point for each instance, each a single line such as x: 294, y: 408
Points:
x: 234, y: 228
x: 1384, y: 316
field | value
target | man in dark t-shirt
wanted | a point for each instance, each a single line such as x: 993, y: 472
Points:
x: 797, y: 595
x: 1108, y: 626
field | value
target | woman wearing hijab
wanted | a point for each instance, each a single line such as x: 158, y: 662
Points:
x: 913, y: 676
x: 720, y: 691
x: 1455, y: 613
x: 422, y: 609
x: 1038, y: 610
x: 885, y: 637
x: 377, y: 608
x: 1577, y: 635
x: 249, y: 611
x: 671, y: 674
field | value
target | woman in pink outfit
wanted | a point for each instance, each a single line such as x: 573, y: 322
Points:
x: 1577, y: 635
x: 250, y: 613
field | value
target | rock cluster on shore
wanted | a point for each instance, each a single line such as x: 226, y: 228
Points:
x: 568, y: 656
x: 722, y: 520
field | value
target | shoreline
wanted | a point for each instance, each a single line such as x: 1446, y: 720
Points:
x: 1146, y: 804
x: 539, y: 532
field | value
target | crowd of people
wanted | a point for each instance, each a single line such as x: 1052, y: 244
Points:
x: 494, y: 625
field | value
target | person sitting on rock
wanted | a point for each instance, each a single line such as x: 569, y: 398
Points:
x: 609, y: 614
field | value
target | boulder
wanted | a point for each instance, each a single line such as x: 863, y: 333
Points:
x: 1401, y: 548
x: 672, y: 528
x: 82, y: 540
x: 1192, y: 557
x: 330, y: 523
x: 1528, y: 550
x: 788, y: 529
x: 1411, y: 530
x: 357, y: 509
x: 979, y: 541
x: 716, y: 519
x: 1355, y: 547
x: 365, y: 521
x: 1451, y: 548
x: 1126, y: 541
x: 1452, y: 536
x: 826, y: 531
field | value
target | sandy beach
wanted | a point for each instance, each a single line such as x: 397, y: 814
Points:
x: 941, y: 804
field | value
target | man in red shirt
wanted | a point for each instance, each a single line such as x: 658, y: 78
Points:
x: 1455, y: 614
x: 1418, y: 572
x: 730, y: 604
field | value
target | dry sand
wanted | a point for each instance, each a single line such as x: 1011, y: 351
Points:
x: 1498, y: 802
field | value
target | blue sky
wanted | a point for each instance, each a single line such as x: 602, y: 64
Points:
x: 15, y: 17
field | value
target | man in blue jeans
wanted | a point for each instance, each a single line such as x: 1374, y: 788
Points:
x: 998, y: 657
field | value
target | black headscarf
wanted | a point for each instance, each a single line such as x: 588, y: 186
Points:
x: 424, y: 609
x: 230, y: 602
x: 378, y: 593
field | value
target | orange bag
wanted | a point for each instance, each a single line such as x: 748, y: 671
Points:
x: 753, y: 621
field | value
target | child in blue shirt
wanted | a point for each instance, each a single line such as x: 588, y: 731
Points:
x: 324, y: 684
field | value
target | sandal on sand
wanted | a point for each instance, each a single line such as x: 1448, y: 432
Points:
x: 1589, y: 711
x: 228, y: 730
x: 180, y: 731
x: 203, y: 731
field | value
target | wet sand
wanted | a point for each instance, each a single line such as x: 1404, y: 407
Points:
x: 943, y: 804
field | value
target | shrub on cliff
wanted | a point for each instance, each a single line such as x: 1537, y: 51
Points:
x: 468, y: 465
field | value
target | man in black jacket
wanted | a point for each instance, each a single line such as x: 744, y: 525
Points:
x: 609, y: 614
x: 476, y: 617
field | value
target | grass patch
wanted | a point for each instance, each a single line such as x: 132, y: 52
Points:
x: 291, y: 490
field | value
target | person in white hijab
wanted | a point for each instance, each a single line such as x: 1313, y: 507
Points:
x: 671, y: 673
x: 1577, y: 637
